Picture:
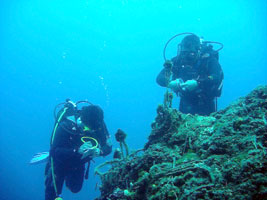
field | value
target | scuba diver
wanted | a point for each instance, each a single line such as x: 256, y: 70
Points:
x: 79, y: 135
x: 194, y: 74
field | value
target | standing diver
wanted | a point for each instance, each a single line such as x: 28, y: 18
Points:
x: 194, y: 74
x: 78, y: 137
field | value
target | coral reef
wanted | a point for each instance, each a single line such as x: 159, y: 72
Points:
x: 221, y: 156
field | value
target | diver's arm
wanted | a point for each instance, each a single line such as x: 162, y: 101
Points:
x: 215, y: 71
x: 168, y: 73
x: 162, y: 79
x: 62, y: 149
x: 64, y: 154
x: 214, y: 76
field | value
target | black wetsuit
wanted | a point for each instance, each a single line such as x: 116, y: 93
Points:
x: 208, y: 73
x: 68, y: 164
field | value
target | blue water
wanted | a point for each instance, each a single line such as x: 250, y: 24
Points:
x: 109, y: 52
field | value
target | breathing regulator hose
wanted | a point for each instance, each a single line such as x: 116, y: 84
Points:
x: 212, y: 42
x: 51, y: 157
x: 189, y: 33
x: 164, y: 50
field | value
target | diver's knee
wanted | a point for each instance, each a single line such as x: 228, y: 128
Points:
x: 76, y: 189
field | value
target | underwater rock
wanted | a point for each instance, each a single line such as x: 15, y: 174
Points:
x: 221, y: 156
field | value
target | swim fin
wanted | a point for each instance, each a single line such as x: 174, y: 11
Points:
x: 39, y: 158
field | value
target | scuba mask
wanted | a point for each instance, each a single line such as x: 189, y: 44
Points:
x: 189, y: 57
x: 81, y: 125
x: 189, y: 49
x: 188, y: 42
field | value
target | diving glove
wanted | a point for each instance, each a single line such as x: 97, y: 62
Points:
x: 189, y: 85
x: 175, y: 85
x: 87, y: 149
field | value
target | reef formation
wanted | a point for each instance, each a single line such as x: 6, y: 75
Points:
x: 221, y: 156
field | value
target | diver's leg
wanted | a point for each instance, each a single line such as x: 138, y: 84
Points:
x: 50, y: 193
x: 74, y: 179
x: 186, y: 107
x: 207, y: 108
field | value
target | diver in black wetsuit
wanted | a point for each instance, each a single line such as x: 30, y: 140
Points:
x: 73, y: 144
x: 196, y: 76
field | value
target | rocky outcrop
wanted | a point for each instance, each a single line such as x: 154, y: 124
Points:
x: 222, y: 156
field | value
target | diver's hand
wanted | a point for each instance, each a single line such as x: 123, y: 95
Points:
x: 189, y: 85
x: 168, y: 64
x: 175, y: 85
x: 87, y: 149
x: 92, y: 153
